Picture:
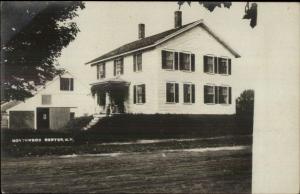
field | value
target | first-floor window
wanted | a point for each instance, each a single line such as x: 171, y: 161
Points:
x: 172, y: 92
x: 101, y: 98
x: 188, y: 93
x: 223, y: 95
x: 209, y: 94
x: 217, y: 94
x: 139, y: 94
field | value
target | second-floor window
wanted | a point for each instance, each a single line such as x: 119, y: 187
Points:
x: 172, y: 92
x: 209, y: 64
x: 168, y: 60
x: 66, y: 84
x: 172, y: 60
x: 224, y: 66
x: 46, y: 99
x: 101, y: 71
x: 118, y: 67
x: 137, y: 62
x: 139, y: 94
x: 188, y: 93
x: 220, y: 65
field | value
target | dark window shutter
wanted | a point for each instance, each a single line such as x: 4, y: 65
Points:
x: 216, y: 94
x: 134, y: 62
x: 71, y: 84
x: 176, y: 60
x: 143, y: 93
x: 229, y: 66
x: 98, y: 69
x: 193, y: 62
x: 181, y: 67
x: 134, y: 94
x: 104, y: 70
x: 163, y: 59
x: 193, y: 93
x: 61, y: 84
x: 122, y: 67
x: 205, y: 94
x: 205, y: 60
x: 176, y: 92
x: 167, y: 92
x: 229, y: 93
x: 216, y: 64
x: 115, y: 66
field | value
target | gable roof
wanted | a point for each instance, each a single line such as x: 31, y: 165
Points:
x: 157, y: 39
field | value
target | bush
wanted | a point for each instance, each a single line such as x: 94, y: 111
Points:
x: 77, y: 124
x: 162, y: 125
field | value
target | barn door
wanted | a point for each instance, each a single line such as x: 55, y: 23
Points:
x: 42, y: 118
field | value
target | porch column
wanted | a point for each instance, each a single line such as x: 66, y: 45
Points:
x: 107, y: 101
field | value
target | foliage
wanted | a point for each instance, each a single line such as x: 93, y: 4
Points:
x: 77, y: 123
x: 245, y: 103
x: 250, y: 13
x: 28, y: 58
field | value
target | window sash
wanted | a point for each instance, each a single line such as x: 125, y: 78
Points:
x: 209, y: 94
x: 139, y: 94
x: 101, y: 71
x: 171, y: 92
x: 187, y: 93
x: 66, y: 84
x: 170, y: 59
x: 223, y: 66
x: 185, y: 61
x: 137, y: 60
x: 223, y: 95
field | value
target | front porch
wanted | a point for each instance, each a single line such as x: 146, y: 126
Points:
x: 111, y: 96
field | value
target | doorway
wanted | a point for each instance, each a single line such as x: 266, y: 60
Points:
x: 42, y: 118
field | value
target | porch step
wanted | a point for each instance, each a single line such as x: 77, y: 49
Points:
x: 94, y: 121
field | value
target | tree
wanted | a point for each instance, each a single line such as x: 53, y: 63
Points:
x: 29, y: 49
x: 245, y: 110
x: 250, y: 12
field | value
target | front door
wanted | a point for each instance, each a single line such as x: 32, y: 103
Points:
x: 42, y: 119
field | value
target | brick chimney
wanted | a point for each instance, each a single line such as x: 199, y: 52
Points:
x: 178, y: 19
x: 141, y: 31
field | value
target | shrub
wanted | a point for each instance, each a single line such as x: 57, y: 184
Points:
x: 77, y: 124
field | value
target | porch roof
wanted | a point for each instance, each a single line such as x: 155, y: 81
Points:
x: 110, y: 83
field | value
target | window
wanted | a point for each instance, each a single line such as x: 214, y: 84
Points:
x: 217, y: 94
x: 72, y: 115
x: 172, y: 93
x: 66, y: 84
x: 209, y: 94
x: 137, y: 62
x: 219, y: 65
x: 118, y: 67
x: 185, y: 61
x: 139, y: 94
x: 188, y: 93
x: 223, y: 65
x: 168, y: 60
x: 209, y: 64
x: 101, y: 98
x: 224, y: 95
x: 46, y: 99
x: 101, y: 71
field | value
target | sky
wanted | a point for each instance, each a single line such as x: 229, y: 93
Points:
x: 107, y: 25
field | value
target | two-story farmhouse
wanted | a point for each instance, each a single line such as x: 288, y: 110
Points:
x: 53, y: 105
x: 186, y: 70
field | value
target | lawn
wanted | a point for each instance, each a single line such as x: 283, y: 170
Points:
x: 200, y: 165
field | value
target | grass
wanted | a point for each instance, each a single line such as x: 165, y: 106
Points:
x: 142, y: 168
